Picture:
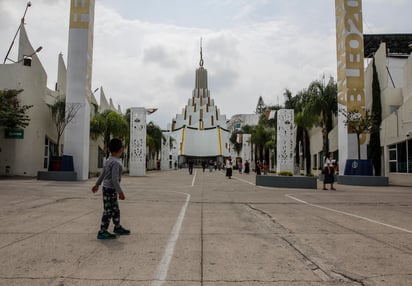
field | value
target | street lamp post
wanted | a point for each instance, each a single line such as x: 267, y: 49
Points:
x: 26, y: 57
x: 18, y: 29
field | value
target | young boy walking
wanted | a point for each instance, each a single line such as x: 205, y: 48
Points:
x: 110, y: 178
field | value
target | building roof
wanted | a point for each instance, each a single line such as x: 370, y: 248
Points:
x: 397, y: 45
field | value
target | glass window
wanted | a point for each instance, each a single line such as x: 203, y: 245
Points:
x: 392, y: 159
x: 392, y: 154
x: 46, y: 153
x: 402, y: 162
x: 392, y: 167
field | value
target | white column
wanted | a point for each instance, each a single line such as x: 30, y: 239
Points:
x: 78, y: 89
x: 137, y: 164
x: 165, y: 152
x: 246, y: 148
x: 285, y: 140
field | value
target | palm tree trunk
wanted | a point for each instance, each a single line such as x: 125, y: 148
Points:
x: 325, y: 140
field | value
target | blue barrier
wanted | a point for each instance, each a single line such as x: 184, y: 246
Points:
x: 358, y: 168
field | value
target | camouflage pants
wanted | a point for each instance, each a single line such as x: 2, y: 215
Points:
x: 110, y: 209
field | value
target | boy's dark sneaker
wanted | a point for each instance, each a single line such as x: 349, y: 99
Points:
x: 121, y: 231
x: 105, y: 235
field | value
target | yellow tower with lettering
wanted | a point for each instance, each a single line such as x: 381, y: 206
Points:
x: 350, y: 71
x: 78, y: 89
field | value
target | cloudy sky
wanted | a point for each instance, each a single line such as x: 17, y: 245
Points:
x: 146, y: 51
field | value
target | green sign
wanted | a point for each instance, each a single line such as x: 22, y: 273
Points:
x: 14, y: 133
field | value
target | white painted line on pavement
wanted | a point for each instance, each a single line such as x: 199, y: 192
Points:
x: 244, y: 181
x: 349, y: 214
x: 194, y: 178
x: 163, y: 267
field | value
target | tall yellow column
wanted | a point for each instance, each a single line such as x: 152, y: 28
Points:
x: 350, y: 71
x: 78, y: 90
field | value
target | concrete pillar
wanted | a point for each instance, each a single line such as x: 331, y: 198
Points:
x: 137, y: 164
x: 285, y: 140
x: 165, y: 152
x: 350, y: 71
x: 78, y: 89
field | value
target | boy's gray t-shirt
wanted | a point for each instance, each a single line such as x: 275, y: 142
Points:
x: 111, y: 174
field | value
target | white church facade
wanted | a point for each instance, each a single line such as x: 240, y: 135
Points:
x: 200, y: 131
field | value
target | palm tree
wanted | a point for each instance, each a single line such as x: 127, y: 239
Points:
x: 154, y: 139
x: 290, y: 101
x: 304, y: 122
x: 323, y: 103
x: 233, y: 139
x: 108, y: 124
x: 262, y: 136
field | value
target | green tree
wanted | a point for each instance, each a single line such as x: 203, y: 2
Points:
x: 260, y: 107
x: 62, y: 115
x: 323, y: 102
x: 154, y: 139
x: 263, y: 137
x: 375, y: 150
x: 12, y: 114
x: 358, y: 124
x: 304, y: 121
x: 108, y: 124
x: 233, y: 140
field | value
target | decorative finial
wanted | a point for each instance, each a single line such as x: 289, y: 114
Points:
x: 201, y: 54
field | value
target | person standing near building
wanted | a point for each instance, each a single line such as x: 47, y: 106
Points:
x: 110, y: 177
x: 191, y: 166
x: 258, y: 168
x: 229, y: 167
x: 328, y: 172
x: 247, y: 167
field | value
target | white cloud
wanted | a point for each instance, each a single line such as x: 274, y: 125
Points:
x: 250, y: 49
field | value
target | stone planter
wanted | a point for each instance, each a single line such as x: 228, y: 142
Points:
x: 299, y: 182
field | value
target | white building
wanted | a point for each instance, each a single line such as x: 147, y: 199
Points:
x: 31, y: 150
x: 200, y: 131
x: 396, y: 127
x: 236, y: 123
x: 395, y: 79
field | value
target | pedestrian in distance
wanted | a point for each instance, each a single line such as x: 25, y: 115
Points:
x: 191, y: 163
x: 110, y: 177
x: 229, y: 167
x: 328, y: 172
x: 247, y: 167
x: 258, y: 168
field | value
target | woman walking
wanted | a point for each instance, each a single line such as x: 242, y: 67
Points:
x: 329, y: 172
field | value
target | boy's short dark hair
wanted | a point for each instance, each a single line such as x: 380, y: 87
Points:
x: 115, y: 145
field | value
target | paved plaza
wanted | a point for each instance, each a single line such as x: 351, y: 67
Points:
x: 205, y: 229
